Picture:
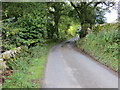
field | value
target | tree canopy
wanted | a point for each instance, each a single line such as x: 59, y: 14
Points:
x: 26, y: 23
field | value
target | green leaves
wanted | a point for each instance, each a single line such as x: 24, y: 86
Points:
x: 103, y: 45
x: 25, y: 24
x: 28, y: 67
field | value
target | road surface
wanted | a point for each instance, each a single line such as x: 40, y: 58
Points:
x: 68, y: 68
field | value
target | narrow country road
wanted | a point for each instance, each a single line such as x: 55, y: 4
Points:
x: 68, y: 68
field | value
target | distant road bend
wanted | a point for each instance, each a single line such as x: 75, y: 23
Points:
x: 68, y: 68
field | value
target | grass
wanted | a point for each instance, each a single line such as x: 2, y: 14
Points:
x: 29, y: 68
x: 102, y: 45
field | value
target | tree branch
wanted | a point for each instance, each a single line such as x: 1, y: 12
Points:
x: 75, y: 8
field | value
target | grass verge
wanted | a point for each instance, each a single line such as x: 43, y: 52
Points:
x: 103, y: 46
x: 28, y: 68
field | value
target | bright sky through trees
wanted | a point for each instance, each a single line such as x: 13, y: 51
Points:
x: 112, y: 16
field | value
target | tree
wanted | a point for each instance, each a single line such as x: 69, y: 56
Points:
x: 29, y: 20
x: 53, y: 17
x: 89, y: 13
x: 59, y: 19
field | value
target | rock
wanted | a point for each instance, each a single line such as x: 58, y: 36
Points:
x: 3, y: 65
x: 1, y: 59
x: 7, y: 55
x: 10, y: 54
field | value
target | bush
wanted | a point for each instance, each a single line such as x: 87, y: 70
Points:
x: 103, y: 45
x: 24, y: 25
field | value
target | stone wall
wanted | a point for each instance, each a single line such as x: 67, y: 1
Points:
x: 7, y: 55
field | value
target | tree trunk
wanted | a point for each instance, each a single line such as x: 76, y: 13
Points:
x: 50, y: 31
x: 83, y: 31
x: 56, y: 20
x: 56, y: 28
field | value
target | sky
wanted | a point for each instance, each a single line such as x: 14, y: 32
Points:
x: 112, y: 16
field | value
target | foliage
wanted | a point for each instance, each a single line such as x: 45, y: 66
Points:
x: 29, y: 66
x: 90, y: 13
x: 101, y: 27
x: 72, y: 31
x: 103, y: 45
x: 58, y: 19
x: 29, y: 23
x: 24, y: 25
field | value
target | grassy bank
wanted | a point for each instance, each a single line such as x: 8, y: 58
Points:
x: 103, y: 45
x: 28, y: 68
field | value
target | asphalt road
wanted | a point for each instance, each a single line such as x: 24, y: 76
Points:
x: 68, y: 68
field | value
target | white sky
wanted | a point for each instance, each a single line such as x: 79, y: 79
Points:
x: 112, y: 16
